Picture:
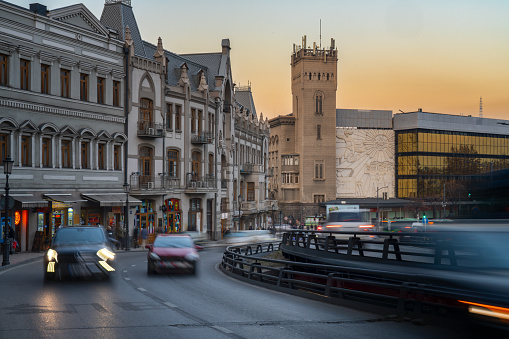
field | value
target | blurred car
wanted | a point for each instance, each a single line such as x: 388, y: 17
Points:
x: 79, y: 251
x: 172, y: 253
x: 346, y: 221
x: 249, y: 236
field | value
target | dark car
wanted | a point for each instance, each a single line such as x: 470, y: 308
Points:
x: 172, y: 253
x: 79, y: 251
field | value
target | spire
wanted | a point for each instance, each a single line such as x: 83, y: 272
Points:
x: 128, y: 41
x: 159, y: 51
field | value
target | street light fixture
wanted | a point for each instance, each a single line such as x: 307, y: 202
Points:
x: 377, y: 206
x: 7, y: 244
x: 126, y: 216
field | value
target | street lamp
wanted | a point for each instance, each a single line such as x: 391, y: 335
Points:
x: 7, y: 244
x: 377, y: 206
x: 126, y: 216
x: 238, y: 201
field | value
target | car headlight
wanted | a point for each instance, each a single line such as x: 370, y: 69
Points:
x: 105, y: 254
x: 192, y: 257
x: 154, y: 256
x: 52, y: 255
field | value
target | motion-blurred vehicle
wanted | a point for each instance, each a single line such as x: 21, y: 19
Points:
x: 249, y: 236
x: 347, y: 221
x: 172, y: 253
x: 79, y: 251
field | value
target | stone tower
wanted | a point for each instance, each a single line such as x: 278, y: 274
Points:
x: 314, y: 86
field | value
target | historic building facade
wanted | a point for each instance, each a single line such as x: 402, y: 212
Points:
x: 61, y: 119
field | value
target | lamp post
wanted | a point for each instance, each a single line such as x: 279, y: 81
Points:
x: 238, y: 200
x: 7, y: 244
x: 280, y: 220
x: 377, y: 206
x: 126, y: 216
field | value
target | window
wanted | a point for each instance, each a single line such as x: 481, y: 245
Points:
x: 116, y: 157
x: 101, y: 156
x: 64, y: 83
x: 319, y: 198
x: 211, y: 122
x: 195, y: 163
x: 178, y: 112
x: 195, y: 215
x: 173, y: 160
x: 318, y: 104
x: 116, y: 93
x: 84, y: 154
x: 4, y: 67
x: 200, y: 117
x: 318, y: 132
x: 26, y: 159
x: 211, y: 164
x: 45, y: 79
x: 65, y: 146
x: 319, y: 170
x: 193, y: 120
x: 4, y: 147
x: 46, y: 152
x: 169, y: 117
x: 84, y: 87
x: 24, y: 66
x: 250, y: 191
x: 100, y: 90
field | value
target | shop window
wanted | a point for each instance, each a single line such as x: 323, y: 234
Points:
x: 173, y: 216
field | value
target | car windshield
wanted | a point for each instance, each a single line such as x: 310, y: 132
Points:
x: 173, y: 242
x: 79, y: 235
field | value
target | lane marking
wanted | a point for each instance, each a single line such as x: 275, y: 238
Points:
x: 133, y: 265
x: 126, y: 278
x: 169, y: 304
x: 222, y: 329
x: 125, y: 271
x: 141, y: 289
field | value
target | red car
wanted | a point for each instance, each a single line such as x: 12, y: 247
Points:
x: 172, y: 253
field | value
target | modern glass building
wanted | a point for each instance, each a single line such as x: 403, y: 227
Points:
x: 440, y: 156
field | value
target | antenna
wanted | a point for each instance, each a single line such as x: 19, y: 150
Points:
x: 480, y: 108
x: 320, y: 33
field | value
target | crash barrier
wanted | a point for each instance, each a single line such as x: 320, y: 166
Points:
x: 407, y: 293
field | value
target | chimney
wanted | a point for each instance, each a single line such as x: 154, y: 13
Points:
x: 38, y: 9
x: 225, y: 44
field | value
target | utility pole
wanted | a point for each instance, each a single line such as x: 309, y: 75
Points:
x: 377, y: 206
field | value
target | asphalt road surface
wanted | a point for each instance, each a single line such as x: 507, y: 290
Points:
x: 209, y: 305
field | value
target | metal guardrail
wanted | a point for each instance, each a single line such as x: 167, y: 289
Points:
x: 406, y: 294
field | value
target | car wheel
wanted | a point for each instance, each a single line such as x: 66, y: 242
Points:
x: 150, y: 268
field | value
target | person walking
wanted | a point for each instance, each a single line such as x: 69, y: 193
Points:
x: 144, y: 236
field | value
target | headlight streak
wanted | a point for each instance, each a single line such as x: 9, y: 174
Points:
x: 105, y: 254
x: 488, y: 310
x: 52, y: 255
x: 51, y: 267
x: 106, y: 266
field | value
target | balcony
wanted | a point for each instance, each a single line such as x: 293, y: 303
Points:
x: 270, y: 205
x: 199, y: 183
x: 290, y: 168
x: 249, y: 207
x: 147, y: 129
x: 140, y: 182
x: 248, y: 168
x: 202, y: 138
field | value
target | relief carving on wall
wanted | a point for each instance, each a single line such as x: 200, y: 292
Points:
x: 364, y: 161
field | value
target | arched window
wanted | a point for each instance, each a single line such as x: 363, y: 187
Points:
x: 195, y: 163
x: 318, y: 103
x: 309, y: 76
x: 318, y: 76
x: 146, y: 114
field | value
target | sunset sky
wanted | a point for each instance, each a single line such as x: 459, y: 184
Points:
x: 438, y: 55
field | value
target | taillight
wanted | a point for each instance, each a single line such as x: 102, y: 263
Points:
x: 334, y: 226
x: 319, y: 228
x: 366, y: 226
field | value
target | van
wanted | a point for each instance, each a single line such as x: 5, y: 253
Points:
x: 347, y: 221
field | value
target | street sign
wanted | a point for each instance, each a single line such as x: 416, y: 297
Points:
x: 9, y: 205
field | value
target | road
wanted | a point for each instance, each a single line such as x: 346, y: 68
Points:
x: 209, y: 305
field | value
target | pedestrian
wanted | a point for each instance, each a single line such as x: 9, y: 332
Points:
x: 144, y: 236
x: 12, y: 235
x: 135, y: 237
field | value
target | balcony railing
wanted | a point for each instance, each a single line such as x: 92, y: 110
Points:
x: 196, y: 181
x: 150, y: 129
x: 290, y: 168
x: 148, y: 182
x: 202, y: 138
x: 248, y: 168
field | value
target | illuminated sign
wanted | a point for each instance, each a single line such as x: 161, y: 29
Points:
x: 17, y: 218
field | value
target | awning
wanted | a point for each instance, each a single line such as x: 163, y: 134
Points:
x: 112, y: 199
x: 66, y: 198
x: 28, y: 200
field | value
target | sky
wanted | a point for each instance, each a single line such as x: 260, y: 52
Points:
x: 438, y: 55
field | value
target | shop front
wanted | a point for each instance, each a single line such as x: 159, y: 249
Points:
x: 172, y: 215
x: 146, y: 217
